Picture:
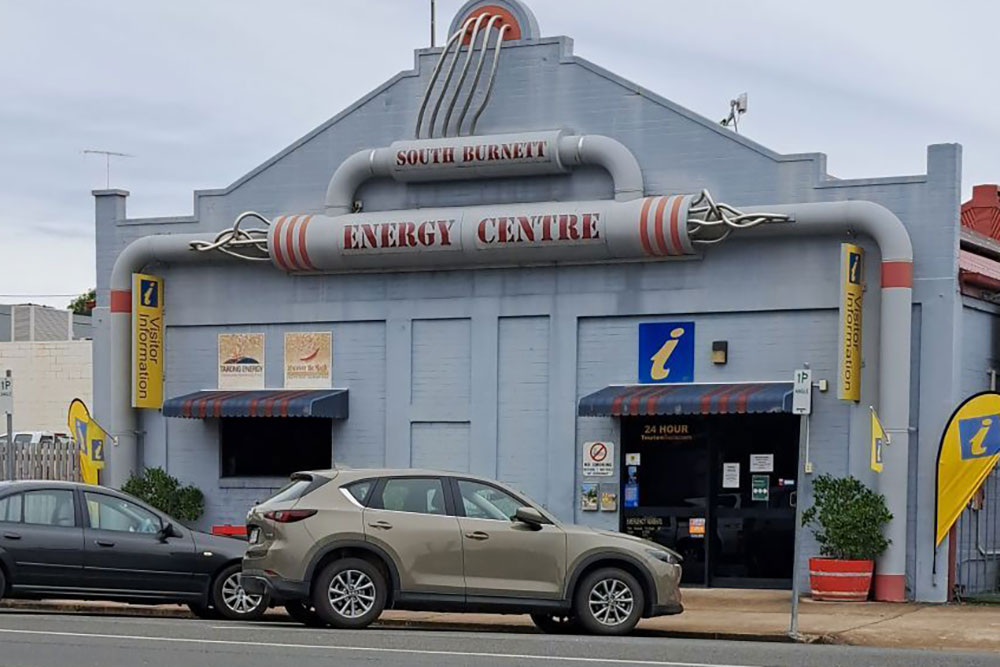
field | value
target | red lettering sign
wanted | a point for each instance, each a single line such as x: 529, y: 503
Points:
x: 538, y: 229
x: 513, y: 151
x: 366, y: 236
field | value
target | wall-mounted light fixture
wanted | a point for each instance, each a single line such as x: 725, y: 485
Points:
x: 720, y: 351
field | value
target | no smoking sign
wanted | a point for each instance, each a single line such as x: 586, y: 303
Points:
x: 598, y: 459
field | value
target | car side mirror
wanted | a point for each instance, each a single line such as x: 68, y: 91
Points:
x: 166, y: 531
x: 530, y: 516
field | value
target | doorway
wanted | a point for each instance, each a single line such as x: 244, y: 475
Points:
x: 719, y: 489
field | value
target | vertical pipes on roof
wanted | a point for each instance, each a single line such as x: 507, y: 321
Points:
x: 491, y: 80
x: 494, y: 23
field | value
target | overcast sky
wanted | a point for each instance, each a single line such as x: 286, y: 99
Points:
x: 201, y: 91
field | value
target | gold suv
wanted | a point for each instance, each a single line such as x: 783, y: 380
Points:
x: 339, y: 546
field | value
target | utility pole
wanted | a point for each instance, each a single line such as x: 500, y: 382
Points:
x: 107, y: 162
x: 432, y: 24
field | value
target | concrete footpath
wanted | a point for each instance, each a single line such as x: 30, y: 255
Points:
x: 709, y: 614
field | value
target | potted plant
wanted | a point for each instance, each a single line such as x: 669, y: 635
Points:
x: 847, y: 519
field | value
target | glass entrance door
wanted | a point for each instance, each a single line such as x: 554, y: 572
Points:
x: 665, y: 476
x: 720, y: 490
x: 754, y: 464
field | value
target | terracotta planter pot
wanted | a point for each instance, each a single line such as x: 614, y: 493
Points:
x: 840, y: 580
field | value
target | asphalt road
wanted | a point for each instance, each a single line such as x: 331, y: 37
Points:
x: 39, y: 639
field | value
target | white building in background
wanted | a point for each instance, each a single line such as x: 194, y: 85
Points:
x: 32, y: 322
x: 48, y: 350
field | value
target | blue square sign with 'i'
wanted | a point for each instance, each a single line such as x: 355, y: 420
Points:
x: 149, y: 293
x: 854, y: 268
x: 979, y: 436
x: 666, y: 352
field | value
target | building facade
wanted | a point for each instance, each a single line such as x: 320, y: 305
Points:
x: 517, y: 285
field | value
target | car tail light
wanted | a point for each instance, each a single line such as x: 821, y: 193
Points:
x: 288, y: 516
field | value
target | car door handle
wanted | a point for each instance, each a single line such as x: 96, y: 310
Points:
x: 384, y: 525
x: 104, y: 543
x: 478, y: 535
x: 12, y: 536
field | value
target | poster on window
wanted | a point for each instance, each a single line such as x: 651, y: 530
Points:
x: 308, y: 360
x: 241, y: 361
x: 730, y: 475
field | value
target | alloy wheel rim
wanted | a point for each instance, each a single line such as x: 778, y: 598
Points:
x: 351, y: 593
x: 235, y: 598
x: 611, y: 601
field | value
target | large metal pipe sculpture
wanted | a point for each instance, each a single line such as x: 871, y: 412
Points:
x: 631, y: 227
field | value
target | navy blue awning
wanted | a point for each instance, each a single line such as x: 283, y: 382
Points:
x: 330, y: 403
x: 629, y: 400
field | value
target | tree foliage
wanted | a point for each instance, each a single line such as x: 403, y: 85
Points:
x: 847, y: 518
x: 166, y: 494
x: 83, y: 304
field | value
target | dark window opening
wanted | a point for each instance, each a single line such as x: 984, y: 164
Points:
x: 273, y: 447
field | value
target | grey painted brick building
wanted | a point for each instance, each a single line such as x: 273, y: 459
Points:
x: 481, y: 366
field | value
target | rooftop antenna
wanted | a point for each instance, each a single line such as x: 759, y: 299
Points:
x: 107, y: 162
x: 737, y: 108
x: 432, y: 24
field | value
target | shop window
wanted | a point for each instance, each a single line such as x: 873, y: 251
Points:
x: 274, y: 447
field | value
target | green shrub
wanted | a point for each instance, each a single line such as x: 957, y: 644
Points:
x: 166, y: 494
x: 848, y: 518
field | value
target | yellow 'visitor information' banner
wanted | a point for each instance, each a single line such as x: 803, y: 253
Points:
x: 90, y: 440
x: 147, y: 341
x: 970, y: 448
x: 851, y: 297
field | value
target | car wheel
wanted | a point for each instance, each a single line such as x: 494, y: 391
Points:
x: 3, y: 583
x: 234, y: 603
x: 556, y: 624
x: 304, y: 613
x: 349, y: 593
x: 203, y: 611
x: 609, y: 601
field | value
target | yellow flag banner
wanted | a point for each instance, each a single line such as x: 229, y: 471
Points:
x: 970, y: 448
x: 90, y: 440
x: 879, y: 440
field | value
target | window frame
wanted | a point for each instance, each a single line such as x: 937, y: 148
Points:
x: 366, y: 501
x: 86, y: 514
x: 77, y: 518
x: 375, y: 495
x: 457, y: 491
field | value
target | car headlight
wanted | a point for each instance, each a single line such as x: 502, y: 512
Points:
x: 666, y: 556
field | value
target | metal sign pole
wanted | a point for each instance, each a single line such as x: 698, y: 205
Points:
x: 793, y: 627
x: 10, y: 430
